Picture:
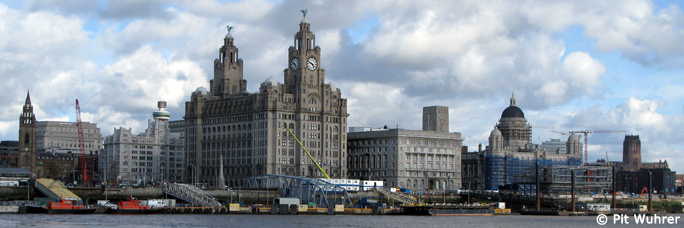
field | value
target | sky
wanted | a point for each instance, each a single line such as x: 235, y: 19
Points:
x: 571, y: 65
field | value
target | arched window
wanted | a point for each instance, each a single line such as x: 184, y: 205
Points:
x: 27, y: 139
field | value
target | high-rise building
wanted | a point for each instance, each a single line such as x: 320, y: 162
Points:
x: 62, y: 137
x: 421, y: 160
x: 56, y: 139
x: 154, y: 156
x: 251, y: 131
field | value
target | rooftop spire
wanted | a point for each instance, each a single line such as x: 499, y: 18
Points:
x: 28, y: 98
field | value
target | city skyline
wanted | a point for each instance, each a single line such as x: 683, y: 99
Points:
x: 571, y: 65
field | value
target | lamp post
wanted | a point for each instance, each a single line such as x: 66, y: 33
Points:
x: 28, y: 189
x: 447, y: 187
x: 194, y: 173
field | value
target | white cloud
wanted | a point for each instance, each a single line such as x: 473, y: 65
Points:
x: 468, y: 55
x: 634, y: 28
x: 136, y: 82
x: 637, y: 117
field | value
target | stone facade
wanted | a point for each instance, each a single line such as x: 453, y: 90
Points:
x: 631, y: 153
x: 250, y: 130
x: 436, y: 118
x: 420, y: 160
x: 472, y: 169
x: 60, y: 166
x: 62, y: 137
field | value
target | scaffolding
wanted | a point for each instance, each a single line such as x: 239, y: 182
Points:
x: 557, y: 179
x: 506, y: 170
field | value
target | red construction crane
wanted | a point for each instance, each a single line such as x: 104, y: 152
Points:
x: 586, y: 135
x: 81, y: 146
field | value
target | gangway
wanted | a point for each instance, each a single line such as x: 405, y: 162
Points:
x: 54, y: 189
x: 406, y: 199
x: 191, y: 194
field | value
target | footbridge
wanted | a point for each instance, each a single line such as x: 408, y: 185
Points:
x: 54, y: 189
x: 191, y: 194
x: 320, y: 191
x: 405, y: 199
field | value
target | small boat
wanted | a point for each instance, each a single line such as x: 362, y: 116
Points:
x: 65, y: 206
x: 133, y: 206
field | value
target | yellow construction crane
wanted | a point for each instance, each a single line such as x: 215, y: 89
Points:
x: 307, y: 153
x: 607, y: 160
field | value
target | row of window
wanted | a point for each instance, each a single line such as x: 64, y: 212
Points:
x: 429, y: 166
x: 429, y: 158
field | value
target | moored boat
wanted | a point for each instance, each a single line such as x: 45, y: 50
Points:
x: 133, y: 206
x: 68, y: 207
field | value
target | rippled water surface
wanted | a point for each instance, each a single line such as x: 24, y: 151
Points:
x: 318, y: 221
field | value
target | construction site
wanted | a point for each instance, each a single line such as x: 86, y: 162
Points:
x: 558, y: 180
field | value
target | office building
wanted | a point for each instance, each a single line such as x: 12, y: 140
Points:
x: 251, y: 131
x: 420, y: 160
x: 152, y: 157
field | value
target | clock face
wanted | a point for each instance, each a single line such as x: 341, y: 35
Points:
x: 294, y: 65
x: 311, y: 64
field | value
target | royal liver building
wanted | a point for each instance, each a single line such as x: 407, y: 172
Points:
x: 250, y: 130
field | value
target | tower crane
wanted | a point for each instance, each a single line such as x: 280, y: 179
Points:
x: 81, y: 146
x: 586, y: 143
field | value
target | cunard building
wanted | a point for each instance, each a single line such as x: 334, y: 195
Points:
x: 248, y: 132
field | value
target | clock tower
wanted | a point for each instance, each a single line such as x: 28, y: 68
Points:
x: 27, y: 137
x: 304, y: 61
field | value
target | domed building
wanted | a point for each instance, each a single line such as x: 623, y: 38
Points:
x: 511, y: 153
x: 516, y: 132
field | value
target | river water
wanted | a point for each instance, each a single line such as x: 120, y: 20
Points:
x: 317, y: 221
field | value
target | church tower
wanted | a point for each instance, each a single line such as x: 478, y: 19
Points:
x: 27, y: 138
x: 631, y: 152
x: 228, y: 79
